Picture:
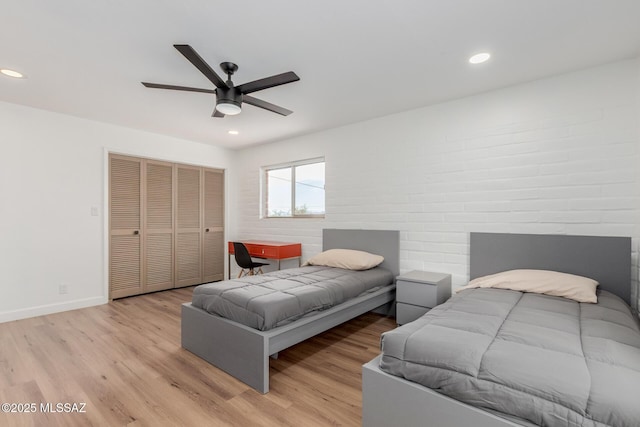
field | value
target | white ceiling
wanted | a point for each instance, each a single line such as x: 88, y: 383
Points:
x: 357, y: 59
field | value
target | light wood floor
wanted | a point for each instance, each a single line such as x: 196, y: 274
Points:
x: 124, y: 360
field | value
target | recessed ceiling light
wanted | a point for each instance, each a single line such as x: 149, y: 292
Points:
x: 11, y: 73
x: 233, y: 132
x: 479, y: 58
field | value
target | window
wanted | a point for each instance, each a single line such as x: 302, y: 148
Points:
x: 295, y: 189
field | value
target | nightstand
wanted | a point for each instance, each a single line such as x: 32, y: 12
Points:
x: 418, y: 292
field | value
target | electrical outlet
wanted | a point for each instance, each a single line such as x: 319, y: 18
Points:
x: 63, y: 289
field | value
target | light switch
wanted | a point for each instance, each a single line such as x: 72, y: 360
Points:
x: 94, y: 211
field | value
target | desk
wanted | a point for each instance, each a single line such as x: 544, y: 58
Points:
x: 269, y: 250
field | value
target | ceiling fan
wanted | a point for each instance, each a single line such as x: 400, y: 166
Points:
x: 229, y: 98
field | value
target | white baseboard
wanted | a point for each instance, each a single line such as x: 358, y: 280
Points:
x: 8, y: 316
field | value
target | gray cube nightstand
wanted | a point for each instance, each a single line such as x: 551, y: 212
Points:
x: 418, y: 292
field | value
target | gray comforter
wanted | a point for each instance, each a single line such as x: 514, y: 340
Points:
x: 274, y: 299
x: 548, y: 360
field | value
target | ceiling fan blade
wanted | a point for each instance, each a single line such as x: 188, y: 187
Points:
x: 266, y: 105
x: 200, y: 64
x: 217, y: 113
x: 188, y: 89
x: 277, y: 80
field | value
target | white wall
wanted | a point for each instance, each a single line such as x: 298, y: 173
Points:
x: 52, y: 172
x: 558, y: 155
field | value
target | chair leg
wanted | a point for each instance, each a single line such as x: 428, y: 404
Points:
x: 250, y: 272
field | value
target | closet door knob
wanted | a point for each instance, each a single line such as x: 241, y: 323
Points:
x: 207, y: 230
x: 136, y: 232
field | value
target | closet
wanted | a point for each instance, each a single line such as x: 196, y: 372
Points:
x: 166, y: 225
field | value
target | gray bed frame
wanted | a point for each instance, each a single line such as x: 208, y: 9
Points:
x: 243, y: 352
x: 390, y: 400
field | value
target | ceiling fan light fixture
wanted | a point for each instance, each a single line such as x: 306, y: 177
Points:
x: 228, y: 108
x: 228, y: 101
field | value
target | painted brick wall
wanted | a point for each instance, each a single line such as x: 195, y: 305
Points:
x: 558, y: 155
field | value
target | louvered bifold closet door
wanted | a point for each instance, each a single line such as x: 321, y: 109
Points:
x: 188, y: 226
x: 125, y: 201
x: 213, y: 236
x: 158, y: 227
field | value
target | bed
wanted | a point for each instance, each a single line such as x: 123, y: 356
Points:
x: 244, y: 351
x: 605, y: 373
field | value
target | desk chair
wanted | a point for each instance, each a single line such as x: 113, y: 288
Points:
x: 244, y: 261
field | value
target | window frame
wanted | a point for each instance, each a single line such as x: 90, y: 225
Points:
x: 289, y: 165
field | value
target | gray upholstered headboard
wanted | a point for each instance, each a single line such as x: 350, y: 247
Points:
x: 605, y: 259
x: 379, y: 242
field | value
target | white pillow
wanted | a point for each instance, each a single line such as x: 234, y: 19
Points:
x: 348, y: 259
x: 577, y: 288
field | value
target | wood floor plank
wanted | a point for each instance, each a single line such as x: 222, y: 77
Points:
x: 124, y: 361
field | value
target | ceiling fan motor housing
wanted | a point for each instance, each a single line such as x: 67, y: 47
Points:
x: 228, y: 96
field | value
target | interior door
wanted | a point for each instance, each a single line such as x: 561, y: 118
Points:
x: 188, y: 226
x: 125, y: 208
x: 158, y: 226
x: 213, y: 224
